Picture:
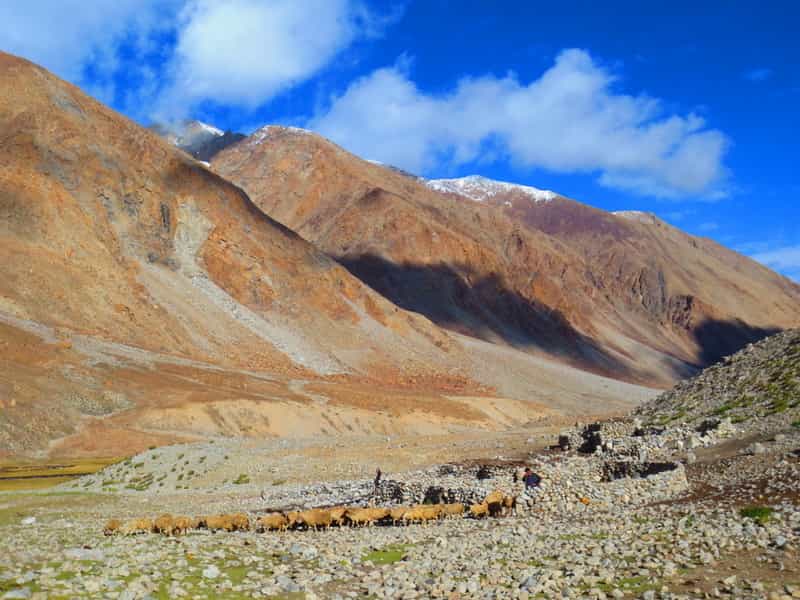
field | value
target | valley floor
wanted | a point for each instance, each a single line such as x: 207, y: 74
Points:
x: 678, y: 534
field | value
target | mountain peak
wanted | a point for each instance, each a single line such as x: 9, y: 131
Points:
x: 479, y: 188
x: 199, y: 126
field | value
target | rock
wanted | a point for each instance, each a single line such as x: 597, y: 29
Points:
x: 694, y: 442
x: 211, y: 572
x: 28, y: 521
x: 758, y: 448
x: 18, y: 593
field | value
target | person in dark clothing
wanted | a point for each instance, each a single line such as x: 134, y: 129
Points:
x: 532, y: 480
x: 377, y: 478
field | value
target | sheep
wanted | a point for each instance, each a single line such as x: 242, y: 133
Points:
x: 217, y: 523
x: 479, y: 511
x: 240, y: 522
x: 272, y: 522
x: 452, y: 510
x: 365, y: 516
x: 164, y: 524
x: 314, y: 518
x: 136, y: 526
x: 396, y: 514
x: 422, y: 513
x: 495, y: 503
x: 183, y: 524
x: 112, y: 526
x: 338, y: 515
x: 510, y: 505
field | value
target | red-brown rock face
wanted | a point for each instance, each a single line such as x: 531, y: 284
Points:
x: 624, y: 293
x: 124, y: 262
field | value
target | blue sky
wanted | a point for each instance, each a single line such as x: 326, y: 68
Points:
x: 688, y: 110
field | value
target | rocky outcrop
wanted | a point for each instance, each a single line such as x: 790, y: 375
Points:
x: 757, y: 389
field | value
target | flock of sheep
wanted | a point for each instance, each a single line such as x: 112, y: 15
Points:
x: 494, y: 505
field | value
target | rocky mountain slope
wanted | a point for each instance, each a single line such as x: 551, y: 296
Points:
x: 144, y: 299
x: 756, y: 388
x: 624, y: 294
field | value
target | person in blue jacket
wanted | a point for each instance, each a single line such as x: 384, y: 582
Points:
x: 532, y: 481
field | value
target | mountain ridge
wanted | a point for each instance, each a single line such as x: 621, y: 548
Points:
x: 147, y: 300
x: 560, y: 261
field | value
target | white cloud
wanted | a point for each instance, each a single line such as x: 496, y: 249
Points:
x: 569, y: 120
x: 171, y: 55
x: 244, y: 52
x: 81, y: 40
x: 785, y: 259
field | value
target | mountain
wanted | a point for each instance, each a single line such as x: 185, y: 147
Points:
x: 144, y: 300
x: 624, y: 294
x: 199, y: 139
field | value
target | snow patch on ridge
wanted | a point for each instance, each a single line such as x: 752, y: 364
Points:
x: 480, y: 188
x: 269, y: 131
x: 210, y: 128
x: 636, y: 215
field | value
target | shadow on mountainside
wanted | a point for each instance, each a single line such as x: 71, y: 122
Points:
x: 456, y: 298
x: 718, y: 339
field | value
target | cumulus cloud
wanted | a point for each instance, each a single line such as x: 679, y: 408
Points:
x: 81, y: 41
x: 244, y: 52
x: 785, y: 259
x: 569, y: 120
x: 166, y: 56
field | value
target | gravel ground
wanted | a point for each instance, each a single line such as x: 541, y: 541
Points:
x: 591, y: 532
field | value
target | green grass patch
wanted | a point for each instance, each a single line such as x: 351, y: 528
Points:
x: 759, y: 514
x: 236, y: 574
x: 635, y: 585
x: 38, y: 475
x: 796, y: 424
x: 242, y: 479
x: 386, y: 556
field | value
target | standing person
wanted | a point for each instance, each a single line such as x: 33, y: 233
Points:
x: 377, y: 478
x: 532, y: 481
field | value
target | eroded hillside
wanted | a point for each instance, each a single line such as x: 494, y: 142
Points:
x: 622, y: 294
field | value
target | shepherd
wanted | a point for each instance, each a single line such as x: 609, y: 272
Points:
x: 532, y: 481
